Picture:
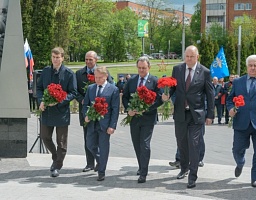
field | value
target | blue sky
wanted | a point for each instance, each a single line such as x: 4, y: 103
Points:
x: 189, y: 5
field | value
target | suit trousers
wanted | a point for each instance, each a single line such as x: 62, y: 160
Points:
x: 58, y: 154
x: 88, y: 154
x: 240, y: 144
x: 188, y: 135
x: 202, y: 147
x: 141, y: 136
x: 98, y: 143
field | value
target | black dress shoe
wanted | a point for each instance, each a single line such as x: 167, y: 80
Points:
x: 201, y: 164
x: 191, y: 184
x: 142, y: 179
x: 138, y: 172
x: 53, y: 166
x: 101, y: 177
x: 182, y: 174
x: 87, y: 169
x: 238, y: 171
x: 55, y: 173
x: 96, y: 168
x: 175, y: 164
x: 253, y: 183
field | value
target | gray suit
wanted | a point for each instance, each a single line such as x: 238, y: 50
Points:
x: 188, y: 123
x: 97, y: 136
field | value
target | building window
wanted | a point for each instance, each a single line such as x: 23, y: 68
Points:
x: 211, y: 19
x: 248, y: 6
x: 243, y: 6
x: 216, y: 6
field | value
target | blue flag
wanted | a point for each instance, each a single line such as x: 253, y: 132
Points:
x: 219, y: 67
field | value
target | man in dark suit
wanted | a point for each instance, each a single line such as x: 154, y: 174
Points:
x: 56, y: 115
x: 244, y: 118
x: 141, y: 127
x: 99, y: 131
x: 193, y: 86
x: 81, y: 77
x: 217, y: 97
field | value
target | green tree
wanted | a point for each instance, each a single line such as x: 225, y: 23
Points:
x: 41, y: 35
x: 206, y: 51
x: 121, y: 36
x: 195, y: 24
x: 61, y: 25
x: 26, y: 14
x: 88, y: 24
x: 230, y: 53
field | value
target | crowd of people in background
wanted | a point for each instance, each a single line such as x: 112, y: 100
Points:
x: 194, y: 98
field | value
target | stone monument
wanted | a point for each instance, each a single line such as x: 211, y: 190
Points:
x: 14, y: 101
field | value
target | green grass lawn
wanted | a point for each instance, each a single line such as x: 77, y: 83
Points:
x: 114, y: 71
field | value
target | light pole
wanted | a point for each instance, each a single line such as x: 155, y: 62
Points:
x: 239, y: 49
x: 183, y: 30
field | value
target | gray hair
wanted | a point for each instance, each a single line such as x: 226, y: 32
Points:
x: 93, y: 53
x: 143, y: 59
x: 250, y: 58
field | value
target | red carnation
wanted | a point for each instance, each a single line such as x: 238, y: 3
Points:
x: 97, y: 110
x: 238, y: 101
x: 52, y: 94
x: 141, y: 100
x: 166, y: 83
x: 91, y: 80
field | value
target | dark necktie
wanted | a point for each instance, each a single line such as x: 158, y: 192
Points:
x: 90, y: 71
x: 188, y: 80
x: 141, y: 81
x: 252, y: 87
x: 99, y: 90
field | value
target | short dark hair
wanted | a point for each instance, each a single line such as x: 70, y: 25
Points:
x: 58, y: 50
x: 143, y: 59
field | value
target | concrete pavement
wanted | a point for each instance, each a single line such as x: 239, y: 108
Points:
x: 29, y: 178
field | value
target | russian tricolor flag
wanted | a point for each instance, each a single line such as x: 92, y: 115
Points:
x: 29, y: 59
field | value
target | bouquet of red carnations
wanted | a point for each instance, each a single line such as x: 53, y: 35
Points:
x: 91, y: 80
x: 97, y: 110
x: 141, y: 100
x: 52, y: 94
x: 239, y: 101
x: 166, y: 83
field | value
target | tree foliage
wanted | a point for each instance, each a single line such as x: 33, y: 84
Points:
x: 230, y: 53
x: 195, y: 24
x: 26, y: 14
x: 41, y: 36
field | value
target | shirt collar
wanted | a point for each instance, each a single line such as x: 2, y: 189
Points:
x: 194, y: 67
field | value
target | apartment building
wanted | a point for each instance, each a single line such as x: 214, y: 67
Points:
x: 225, y: 11
x: 143, y: 11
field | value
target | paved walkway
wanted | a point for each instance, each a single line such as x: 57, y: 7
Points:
x: 28, y: 178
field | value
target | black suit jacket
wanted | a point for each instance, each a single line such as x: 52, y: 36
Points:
x: 149, y: 117
x: 200, y: 88
x: 81, y: 77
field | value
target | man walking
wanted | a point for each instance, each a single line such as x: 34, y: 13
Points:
x: 194, y: 86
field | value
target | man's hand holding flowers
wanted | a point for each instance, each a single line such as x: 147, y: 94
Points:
x: 238, y: 101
